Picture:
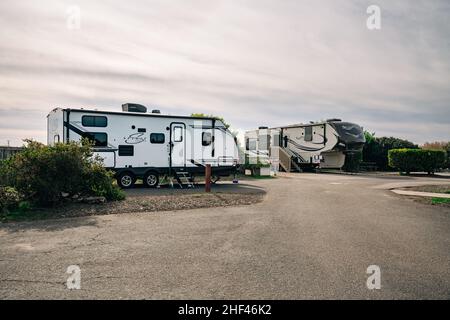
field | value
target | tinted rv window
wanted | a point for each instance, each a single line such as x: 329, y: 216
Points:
x: 308, y: 134
x: 94, y: 121
x: 126, y: 151
x: 206, y: 138
x: 100, y: 139
x: 157, y: 138
x: 177, y: 134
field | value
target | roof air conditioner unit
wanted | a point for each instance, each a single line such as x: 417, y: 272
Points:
x: 134, y: 107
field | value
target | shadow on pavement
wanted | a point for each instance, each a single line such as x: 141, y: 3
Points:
x: 389, y: 175
x: 141, y: 190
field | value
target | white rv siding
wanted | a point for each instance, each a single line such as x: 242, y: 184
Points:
x: 323, y: 139
x: 134, y: 131
x: 55, y: 126
x: 311, y: 144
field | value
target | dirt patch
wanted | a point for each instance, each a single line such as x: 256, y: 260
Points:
x: 441, y: 202
x: 140, y: 204
x: 432, y: 188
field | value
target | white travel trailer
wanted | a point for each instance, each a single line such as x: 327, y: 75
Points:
x: 296, y: 147
x: 136, y: 144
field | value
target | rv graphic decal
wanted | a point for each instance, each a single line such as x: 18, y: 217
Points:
x: 135, y: 138
x: 305, y: 148
x: 325, y: 140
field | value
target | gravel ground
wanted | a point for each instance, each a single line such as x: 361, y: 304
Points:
x: 147, y: 203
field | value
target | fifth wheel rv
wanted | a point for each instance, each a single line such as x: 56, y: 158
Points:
x: 301, y: 146
x: 136, y: 144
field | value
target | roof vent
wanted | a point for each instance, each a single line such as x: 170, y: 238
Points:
x: 334, y: 120
x: 134, y: 107
x: 156, y: 111
x: 262, y: 128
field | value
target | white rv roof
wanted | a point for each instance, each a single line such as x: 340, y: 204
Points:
x: 139, y: 114
x: 308, y: 124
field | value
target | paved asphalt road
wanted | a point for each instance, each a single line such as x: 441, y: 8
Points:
x: 312, y: 237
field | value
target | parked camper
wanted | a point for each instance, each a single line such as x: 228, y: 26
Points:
x: 296, y: 147
x: 136, y: 144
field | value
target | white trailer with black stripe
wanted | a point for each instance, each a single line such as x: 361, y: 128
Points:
x: 136, y: 144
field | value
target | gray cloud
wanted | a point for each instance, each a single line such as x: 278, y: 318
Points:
x: 256, y: 63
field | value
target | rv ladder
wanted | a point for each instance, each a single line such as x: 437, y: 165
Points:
x: 183, y: 178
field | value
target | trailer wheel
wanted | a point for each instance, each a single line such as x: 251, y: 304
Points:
x: 151, y: 179
x: 126, y: 180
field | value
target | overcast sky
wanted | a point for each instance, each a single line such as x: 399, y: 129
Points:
x: 255, y: 62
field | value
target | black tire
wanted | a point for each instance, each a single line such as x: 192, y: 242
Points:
x: 126, y: 180
x: 151, y: 179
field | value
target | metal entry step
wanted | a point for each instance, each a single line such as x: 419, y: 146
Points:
x: 184, y: 178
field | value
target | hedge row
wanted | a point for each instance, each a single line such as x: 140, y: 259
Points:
x: 408, y: 160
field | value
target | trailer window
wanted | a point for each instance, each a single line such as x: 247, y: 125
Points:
x: 206, y: 139
x: 126, y: 151
x: 308, y: 134
x: 250, y: 144
x: 177, y: 134
x: 276, y: 140
x: 99, y: 139
x: 263, y: 142
x: 94, y: 121
x: 157, y: 138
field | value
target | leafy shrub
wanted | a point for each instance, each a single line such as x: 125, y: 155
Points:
x: 24, y: 206
x: 433, y: 160
x: 352, y: 161
x: 376, y: 149
x: 407, y: 160
x: 257, y: 165
x: 9, y: 198
x: 101, y: 183
x: 43, y: 173
x: 439, y: 145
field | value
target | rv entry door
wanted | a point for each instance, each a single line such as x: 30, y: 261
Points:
x: 177, y: 144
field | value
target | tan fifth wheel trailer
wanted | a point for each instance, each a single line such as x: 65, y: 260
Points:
x: 297, y: 147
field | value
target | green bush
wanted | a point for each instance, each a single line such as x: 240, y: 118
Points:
x: 43, y: 173
x: 352, y: 161
x: 100, y: 183
x: 376, y: 149
x: 439, y: 145
x: 257, y: 165
x: 9, y: 198
x: 408, y: 160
